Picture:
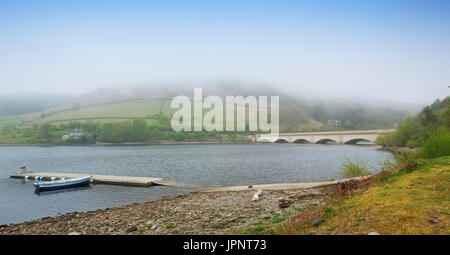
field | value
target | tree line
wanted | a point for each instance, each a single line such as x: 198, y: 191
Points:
x: 429, y: 131
x: 136, y: 130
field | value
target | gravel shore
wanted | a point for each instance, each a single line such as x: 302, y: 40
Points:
x: 195, y: 213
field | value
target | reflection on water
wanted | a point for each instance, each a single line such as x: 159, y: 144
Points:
x: 210, y: 165
x: 51, y: 192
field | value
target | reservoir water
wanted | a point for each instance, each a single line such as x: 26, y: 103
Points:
x: 208, y: 165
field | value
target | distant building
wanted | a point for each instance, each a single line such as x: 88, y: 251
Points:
x: 334, y: 123
x: 75, y: 133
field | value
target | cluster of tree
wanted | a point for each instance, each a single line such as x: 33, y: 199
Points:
x: 129, y: 131
x: 136, y: 130
x: 119, y: 132
x: 356, y: 116
x: 414, y: 132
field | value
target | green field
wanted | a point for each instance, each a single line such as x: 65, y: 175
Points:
x: 123, y: 111
x: 111, y: 112
x: 9, y: 121
x: 13, y: 136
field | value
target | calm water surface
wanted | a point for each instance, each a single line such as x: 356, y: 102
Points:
x: 210, y: 165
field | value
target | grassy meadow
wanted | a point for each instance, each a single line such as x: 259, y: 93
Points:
x: 107, y: 113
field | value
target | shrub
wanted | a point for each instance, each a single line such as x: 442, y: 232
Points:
x: 407, y: 161
x: 354, y: 168
x: 384, y: 140
x: 438, y: 145
x: 405, y: 132
x: 179, y: 136
x: 388, y: 167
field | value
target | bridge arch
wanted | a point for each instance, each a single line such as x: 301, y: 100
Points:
x: 264, y: 141
x: 357, y: 140
x: 327, y: 141
x: 301, y: 141
x: 281, y: 140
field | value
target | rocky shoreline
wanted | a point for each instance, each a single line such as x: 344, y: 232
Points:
x: 195, y: 213
x: 401, y: 150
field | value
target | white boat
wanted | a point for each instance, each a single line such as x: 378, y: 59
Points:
x: 62, y: 183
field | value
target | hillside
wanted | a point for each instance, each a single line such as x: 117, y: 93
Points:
x: 100, y: 97
x: 10, y: 120
x: 291, y: 118
x: 120, y: 104
x: 114, y: 105
x: 111, y: 112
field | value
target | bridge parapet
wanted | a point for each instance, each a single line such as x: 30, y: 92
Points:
x: 341, y: 137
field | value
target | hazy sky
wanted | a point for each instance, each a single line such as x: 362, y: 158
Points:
x: 396, y: 50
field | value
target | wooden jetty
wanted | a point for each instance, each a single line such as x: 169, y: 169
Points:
x: 98, y: 178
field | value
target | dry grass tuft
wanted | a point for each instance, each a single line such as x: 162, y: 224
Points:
x: 300, y: 223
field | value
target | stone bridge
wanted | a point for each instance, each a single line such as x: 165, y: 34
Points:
x: 341, y: 137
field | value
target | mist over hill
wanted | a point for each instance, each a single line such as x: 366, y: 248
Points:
x: 297, y: 113
x: 13, y: 104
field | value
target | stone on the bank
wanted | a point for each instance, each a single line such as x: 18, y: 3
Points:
x: 132, y: 229
x: 433, y: 220
x: 316, y: 221
x: 284, y: 203
x: 257, y: 195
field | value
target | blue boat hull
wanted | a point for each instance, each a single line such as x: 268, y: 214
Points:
x: 55, y: 185
x: 74, y: 185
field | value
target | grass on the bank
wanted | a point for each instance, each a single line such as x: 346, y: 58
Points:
x: 354, y: 168
x: 410, y: 202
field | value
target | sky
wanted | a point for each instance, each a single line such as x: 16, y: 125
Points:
x: 393, y: 50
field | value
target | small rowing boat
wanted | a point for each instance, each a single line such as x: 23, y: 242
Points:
x: 62, y: 183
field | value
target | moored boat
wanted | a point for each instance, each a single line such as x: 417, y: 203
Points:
x: 62, y: 183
